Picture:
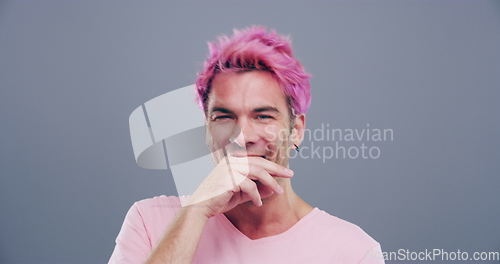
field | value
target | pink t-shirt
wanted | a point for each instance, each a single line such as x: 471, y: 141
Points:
x: 318, y: 237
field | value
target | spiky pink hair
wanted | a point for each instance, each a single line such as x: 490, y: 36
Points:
x: 255, y: 48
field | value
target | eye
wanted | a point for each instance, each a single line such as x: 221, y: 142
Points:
x: 264, y: 117
x: 222, y: 117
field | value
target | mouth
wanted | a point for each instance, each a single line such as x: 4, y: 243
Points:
x: 259, y: 156
x: 256, y: 156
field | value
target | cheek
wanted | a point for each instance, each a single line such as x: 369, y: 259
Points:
x: 270, y: 133
x: 275, y: 137
x: 275, y: 133
x: 220, y: 134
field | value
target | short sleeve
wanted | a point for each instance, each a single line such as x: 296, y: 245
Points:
x: 373, y: 256
x: 133, y: 244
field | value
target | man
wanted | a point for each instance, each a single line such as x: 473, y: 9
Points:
x: 254, y: 94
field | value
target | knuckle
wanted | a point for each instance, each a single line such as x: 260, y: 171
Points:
x: 256, y: 171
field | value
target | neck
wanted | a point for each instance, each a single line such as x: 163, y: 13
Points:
x: 277, y: 214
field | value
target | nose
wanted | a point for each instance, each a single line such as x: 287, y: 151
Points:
x: 245, y: 134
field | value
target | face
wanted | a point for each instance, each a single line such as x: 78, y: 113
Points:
x: 247, y: 113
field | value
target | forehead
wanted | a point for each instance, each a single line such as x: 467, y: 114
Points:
x: 246, y: 90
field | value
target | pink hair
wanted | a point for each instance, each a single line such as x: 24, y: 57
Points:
x: 254, y: 48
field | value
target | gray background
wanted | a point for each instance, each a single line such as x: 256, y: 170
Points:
x: 71, y: 73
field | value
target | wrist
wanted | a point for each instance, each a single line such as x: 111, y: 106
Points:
x: 197, y: 211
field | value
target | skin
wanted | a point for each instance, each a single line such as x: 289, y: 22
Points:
x: 259, y: 113
x: 250, y: 184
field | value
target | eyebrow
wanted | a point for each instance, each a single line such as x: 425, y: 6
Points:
x: 266, y: 109
x: 221, y: 109
x: 257, y: 110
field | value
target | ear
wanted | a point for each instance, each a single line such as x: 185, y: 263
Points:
x: 298, y: 129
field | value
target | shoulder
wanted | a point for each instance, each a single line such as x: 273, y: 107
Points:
x: 160, y: 201
x: 156, y: 214
x: 350, y: 239
x: 158, y: 206
x: 143, y: 226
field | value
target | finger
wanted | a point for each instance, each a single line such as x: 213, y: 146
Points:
x: 271, y: 167
x: 264, y: 190
x: 265, y: 178
x: 244, y: 163
x: 250, y: 188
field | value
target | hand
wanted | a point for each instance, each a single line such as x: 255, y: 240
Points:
x: 236, y: 180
